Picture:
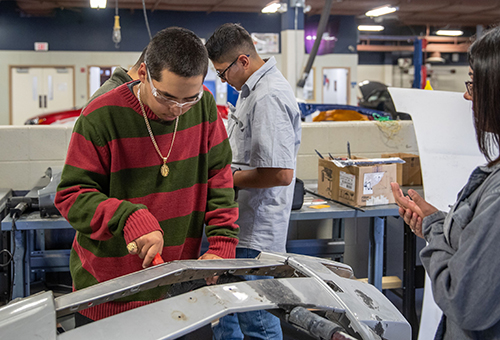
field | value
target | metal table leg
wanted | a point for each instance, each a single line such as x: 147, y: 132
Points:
x: 376, y: 252
x: 410, y: 258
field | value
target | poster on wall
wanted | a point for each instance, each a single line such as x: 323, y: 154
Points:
x: 266, y: 42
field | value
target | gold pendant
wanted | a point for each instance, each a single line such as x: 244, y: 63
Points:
x: 164, y: 170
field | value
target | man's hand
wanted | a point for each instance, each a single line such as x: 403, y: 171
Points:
x: 147, y: 246
x: 210, y: 280
x: 412, y: 208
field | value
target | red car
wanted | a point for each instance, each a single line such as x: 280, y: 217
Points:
x: 68, y: 117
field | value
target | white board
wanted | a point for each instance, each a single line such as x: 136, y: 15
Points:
x: 448, y: 153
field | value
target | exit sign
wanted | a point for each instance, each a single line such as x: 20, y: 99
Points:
x: 41, y: 46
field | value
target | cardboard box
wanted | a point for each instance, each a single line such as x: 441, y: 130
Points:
x: 356, y: 185
x: 409, y: 173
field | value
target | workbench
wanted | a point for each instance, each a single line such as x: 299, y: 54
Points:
x: 30, y: 254
x: 377, y: 214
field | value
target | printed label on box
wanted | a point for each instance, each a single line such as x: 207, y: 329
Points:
x: 346, y: 194
x: 370, y: 180
x: 347, y: 181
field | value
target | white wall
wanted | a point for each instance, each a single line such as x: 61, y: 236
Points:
x: 380, y: 73
x: 442, y: 77
x: 27, y: 151
x: 80, y: 60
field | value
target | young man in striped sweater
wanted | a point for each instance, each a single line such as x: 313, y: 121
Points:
x: 147, y: 167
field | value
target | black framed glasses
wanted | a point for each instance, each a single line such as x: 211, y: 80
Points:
x: 222, y: 75
x: 468, y: 86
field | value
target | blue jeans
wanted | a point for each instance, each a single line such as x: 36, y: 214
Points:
x: 255, y: 325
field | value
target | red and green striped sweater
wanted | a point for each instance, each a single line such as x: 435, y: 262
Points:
x: 112, y: 192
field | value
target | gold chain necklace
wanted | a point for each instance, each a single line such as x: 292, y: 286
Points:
x: 164, y: 170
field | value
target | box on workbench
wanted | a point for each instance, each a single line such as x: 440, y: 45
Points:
x: 357, y: 185
x: 409, y: 173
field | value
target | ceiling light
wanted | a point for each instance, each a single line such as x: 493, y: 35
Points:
x: 98, y: 4
x: 452, y: 33
x: 274, y: 7
x: 373, y: 28
x: 376, y: 12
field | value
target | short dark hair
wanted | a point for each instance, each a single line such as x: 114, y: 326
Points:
x: 178, y: 50
x: 484, y: 60
x: 141, y: 59
x: 228, y: 42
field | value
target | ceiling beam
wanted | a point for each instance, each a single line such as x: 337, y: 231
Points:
x: 215, y: 6
x: 429, y: 38
x: 384, y: 48
x: 445, y: 48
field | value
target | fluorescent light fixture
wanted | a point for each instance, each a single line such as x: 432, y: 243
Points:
x: 452, y: 33
x: 97, y: 3
x: 372, y: 28
x: 376, y: 12
x: 274, y: 7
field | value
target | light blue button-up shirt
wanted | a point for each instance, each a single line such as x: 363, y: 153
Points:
x: 264, y: 131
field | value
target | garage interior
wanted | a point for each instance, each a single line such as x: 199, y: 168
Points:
x: 78, y: 47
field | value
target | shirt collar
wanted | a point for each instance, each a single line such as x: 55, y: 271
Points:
x: 256, y: 76
x: 489, y: 169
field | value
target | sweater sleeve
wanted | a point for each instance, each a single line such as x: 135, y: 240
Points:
x: 464, y: 276
x: 82, y: 196
x: 221, y: 211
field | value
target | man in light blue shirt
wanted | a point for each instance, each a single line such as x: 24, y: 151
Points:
x: 264, y: 131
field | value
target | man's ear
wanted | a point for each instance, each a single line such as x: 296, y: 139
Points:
x: 142, y: 73
x: 245, y: 61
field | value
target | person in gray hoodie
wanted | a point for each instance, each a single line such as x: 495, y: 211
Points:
x: 462, y: 257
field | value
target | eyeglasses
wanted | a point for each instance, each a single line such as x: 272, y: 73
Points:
x: 468, y: 86
x: 167, y: 101
x: 222, y: 75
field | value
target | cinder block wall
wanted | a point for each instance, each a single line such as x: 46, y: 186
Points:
x: 27, y: 151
